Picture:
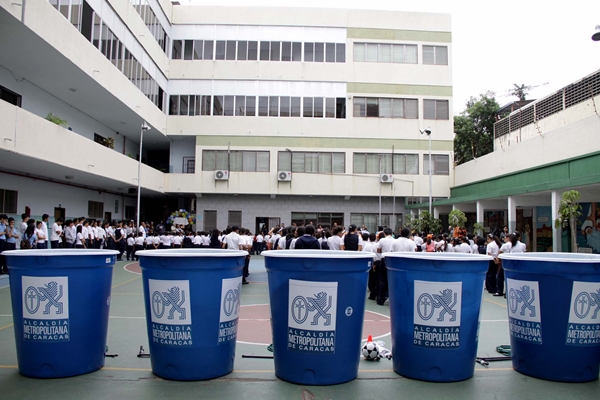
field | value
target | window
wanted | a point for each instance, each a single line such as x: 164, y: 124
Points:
x: 436, y: 109
x: 340, y: 52
x: 435, y: 55
x: 205, y: 105
x: 228, y: 106
x: 284, y: 110
x: 263, y: 106
x: 318, y: 107
x: 234, y: 218
x: 240, y: 106
x: 208, y: 49
x: 217, y: 105
x: 340, y: 107
x: 188, y: 50
x: 236, y: 160
x: 286, y: 51
x: 319, y: 52
x: 371, y: 221
x: 252, y: 51
x: 385, y: 108
x: 385, y: 53
x: 273, y: 106
x: 330, y: 107
x: 250, y: 106
x: 308, y: 52
x: 310, y: 162
x: 264, y: 51
x: 441, y: 164
x: 230, y: 50
x: 325, y: 219
x: 275, y: 51
x: 210, y: 220
x: 8, y: 201
x: 295, y: 107
x: 330, y: 52
x: 220, y: 50
x: 296, y: 51
x: 183, y: 105
x: 10, y: 97
x: 373, y: 163
x: 189, y: 165
x: 242, y: 50
x: 95, y: 209
x: 308, y: 107
x: 177, y: 50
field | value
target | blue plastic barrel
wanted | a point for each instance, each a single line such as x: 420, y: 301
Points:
x: 554, y: 314
x: 60, y: 301
x: 317, y: 303
x: 192, y: 301
x: 435, y: 300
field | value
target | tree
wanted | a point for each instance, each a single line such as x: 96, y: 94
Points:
x: 457, y: 218
x: 568, y: 211
x: 428, y: 224
x: 474, y: 128
x: 520, y: 91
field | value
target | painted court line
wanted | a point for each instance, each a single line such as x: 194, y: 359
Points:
x: 493, y: 302
x: 123, y: 283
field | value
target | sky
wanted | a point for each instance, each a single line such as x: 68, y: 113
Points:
x: 498, y: 44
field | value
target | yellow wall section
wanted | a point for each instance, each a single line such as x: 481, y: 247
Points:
x: 398, y: 34
x: 386, y: 88
x: 324, y: 143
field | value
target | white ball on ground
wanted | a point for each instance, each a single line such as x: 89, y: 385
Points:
x: 370, y: 351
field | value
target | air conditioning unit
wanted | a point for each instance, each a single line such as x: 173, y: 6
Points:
x: 221, y: 175
x: 386, y: 178
x: 284, y: 176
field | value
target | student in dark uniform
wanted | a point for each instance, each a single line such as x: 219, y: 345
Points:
x: 308, y: 241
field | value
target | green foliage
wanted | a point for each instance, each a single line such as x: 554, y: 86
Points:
x: 568, y: 209
x: 520, y: 92
x: 56, y: 120
x: 478, y: 228
x: 411, y: 222
x: 428, y: 224
x: 474, y: 128
x: 457, y: 218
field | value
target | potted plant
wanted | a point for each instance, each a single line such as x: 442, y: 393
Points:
x: 568, y: 211
x: 56, y: 120
x: 457, y: 219
x: 109, y: 142
x: 478, y: 228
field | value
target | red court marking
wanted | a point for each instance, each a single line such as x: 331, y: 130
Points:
x: 133, y: 267
x: 255, y: 325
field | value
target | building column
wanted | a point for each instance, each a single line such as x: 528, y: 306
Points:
x: 512, y: 214
x: 480, y: 210
x: 556, y: 232
x: 436, y: 212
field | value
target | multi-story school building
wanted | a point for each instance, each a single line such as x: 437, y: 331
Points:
x: 257, y: 115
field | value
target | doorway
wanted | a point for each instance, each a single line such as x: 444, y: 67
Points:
x: 59, y: 212
x: 107, y: 216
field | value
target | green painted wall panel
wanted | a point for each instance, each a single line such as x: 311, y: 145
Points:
x: 399, y: 34
x: 324, y: 143
x: 397, y: 89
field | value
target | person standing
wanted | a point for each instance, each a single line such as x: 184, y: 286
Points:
x: 70, y: 234
x: 3, y: 229
x: 352, y: 241
x: 492, y: 249
x: 403, y: 243
x: 335, y: 242
x: 233, y: 241
x: 40, y: 237
x: 56, y: 233
x: 385, y: 245
x: 120, y: 240
x: 12, y: 238
x: 79, y: 238
x: 307, y: 241
x: 45, y: 229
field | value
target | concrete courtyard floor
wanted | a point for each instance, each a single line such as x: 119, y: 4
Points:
x: 130, y: 377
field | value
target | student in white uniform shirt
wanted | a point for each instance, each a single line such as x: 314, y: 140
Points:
x: 100, y: 236
x: 79, y: 238
x: 139, y: 246
x: 335, y: 242
x: 56, y: 233
x: 167, y: 241
x: 403, y: 243
x: 177, y: 240
x: 197, y: 241
x: 205, y: 240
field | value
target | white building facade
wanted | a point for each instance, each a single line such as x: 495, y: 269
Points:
x: 258, y: 115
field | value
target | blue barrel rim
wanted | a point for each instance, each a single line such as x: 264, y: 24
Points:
x: 440, y: 256
x: 192, y: 253
x: 575, y: 258
x: 59, y: 252
x: 332, y: 254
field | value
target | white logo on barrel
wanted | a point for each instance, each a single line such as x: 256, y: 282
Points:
x: 171, y: 312
x: 45, y: 308
x: 524, y: 312
x: 231, y: 292
x: 312, y: 309
x: 437, y: 314
x: 584, y: 315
